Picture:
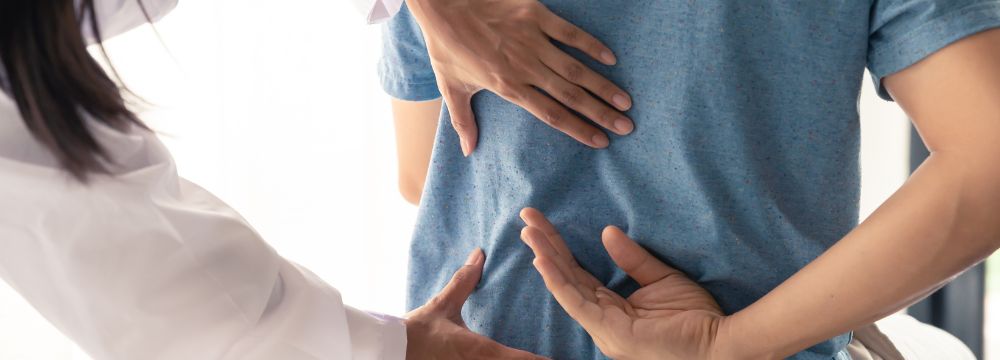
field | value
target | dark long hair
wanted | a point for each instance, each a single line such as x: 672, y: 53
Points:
x: 56, y: 83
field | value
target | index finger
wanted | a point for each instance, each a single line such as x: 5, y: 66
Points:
x: 534, y: 218
x: 555, y: 115
x: 584, y: 311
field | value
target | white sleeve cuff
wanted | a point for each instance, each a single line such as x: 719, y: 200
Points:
x: 115, y: 17
x: 377, y: 11
x: 376, y: 336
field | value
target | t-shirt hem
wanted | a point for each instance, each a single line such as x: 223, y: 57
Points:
x: 915, y: 45
x: 420, y: 90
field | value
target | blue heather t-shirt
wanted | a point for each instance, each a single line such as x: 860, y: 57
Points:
x: 742, y: 169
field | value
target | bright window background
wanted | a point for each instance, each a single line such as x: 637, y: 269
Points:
x: 275, y: 107
x: 992, y: 310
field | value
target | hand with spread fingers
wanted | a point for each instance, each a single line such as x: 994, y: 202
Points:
x: 506, y: 47
x: 669, y: 317
x: 436, y: 330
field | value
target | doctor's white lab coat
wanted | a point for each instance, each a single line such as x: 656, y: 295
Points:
x: 146, y: 265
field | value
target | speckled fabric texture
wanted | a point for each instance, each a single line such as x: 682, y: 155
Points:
x: 743, y: 167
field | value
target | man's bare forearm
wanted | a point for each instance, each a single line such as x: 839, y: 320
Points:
x: 939, y: 224
x: 945, y: 219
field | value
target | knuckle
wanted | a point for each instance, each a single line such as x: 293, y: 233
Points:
x: 460, y: 277
x: 552, y: 116
x: 521, y: 64
x: 570, y: 34
x: 461, y: 126
x: 607, y: 90
x: 524, y: 13
x: 455, y: 92
x: 437, y: 302
x: 574, y: 72
x: 493, y: 67
x: 607, y: 115
x: 520, y: 14
x: 505, y: 88
x: 593, y: 46
x: 572, y: 97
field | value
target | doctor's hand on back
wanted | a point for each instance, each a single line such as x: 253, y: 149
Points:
x: 437, y: 331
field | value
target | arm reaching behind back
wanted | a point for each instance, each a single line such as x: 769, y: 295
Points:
x: 941, y: 222
x: 506, y: 47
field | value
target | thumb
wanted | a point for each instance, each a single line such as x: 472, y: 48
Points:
x: 462, y: 284
x: 462, y: 119
x: 633, y: 259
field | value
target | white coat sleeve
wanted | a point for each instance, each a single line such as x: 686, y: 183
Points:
x: 146, y: 265
x: 115, y: 17
x: 377, y: 11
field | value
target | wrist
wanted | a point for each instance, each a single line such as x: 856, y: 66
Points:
x: 414, y: 341
x: 734, y: 341
x: 724, y: 344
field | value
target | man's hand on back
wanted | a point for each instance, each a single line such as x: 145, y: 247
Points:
x: 506, y: 47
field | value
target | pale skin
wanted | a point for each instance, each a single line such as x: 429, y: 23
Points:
x: 941, y: 222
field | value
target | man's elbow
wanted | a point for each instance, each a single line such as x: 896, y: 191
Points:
x: 980, y: 193
x: 411, y: 189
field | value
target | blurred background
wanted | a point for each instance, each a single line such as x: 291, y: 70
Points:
x: 275, y: 107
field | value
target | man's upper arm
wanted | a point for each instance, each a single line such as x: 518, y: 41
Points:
x: 904, y: 32
x: 953, y: 96
x: 406, y: 74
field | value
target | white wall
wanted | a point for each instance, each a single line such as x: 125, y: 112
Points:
x: 885, y: 144
x: 274, y: 106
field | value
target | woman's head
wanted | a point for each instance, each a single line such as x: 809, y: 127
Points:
x: 55, y: 82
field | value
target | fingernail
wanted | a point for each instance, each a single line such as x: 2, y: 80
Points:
x: 474, y: 257
x: 624, y: 126
x: 621, y: 101
x: 465, y: 148
x: 600, y: 141
x: 608, y: 57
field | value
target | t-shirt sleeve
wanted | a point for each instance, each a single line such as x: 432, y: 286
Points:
x: 903, y: 32
x: 405, y: 68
